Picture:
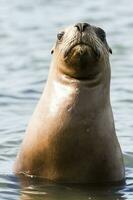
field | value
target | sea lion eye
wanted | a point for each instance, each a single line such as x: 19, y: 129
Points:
x: 101, y: 34
x: 59, y: 35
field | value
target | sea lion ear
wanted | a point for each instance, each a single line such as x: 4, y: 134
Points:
x: 110, y: 50
x: 52, y: 50
x: 108, y: 47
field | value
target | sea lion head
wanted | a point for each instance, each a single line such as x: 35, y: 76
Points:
x: 81, y: 51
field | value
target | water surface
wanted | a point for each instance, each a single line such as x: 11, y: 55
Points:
x: 27, y: 32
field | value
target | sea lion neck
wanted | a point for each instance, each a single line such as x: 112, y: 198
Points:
x: 95, y: 81
x: 70, y: 87
x: 89, y: 82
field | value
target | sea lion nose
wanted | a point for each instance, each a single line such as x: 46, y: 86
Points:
x: 81, y: 26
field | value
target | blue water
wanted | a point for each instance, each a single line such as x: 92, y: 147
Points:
x: 27, y: 32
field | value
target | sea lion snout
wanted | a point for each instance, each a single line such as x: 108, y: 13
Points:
x: 84, y: 42
x: 80, y: 43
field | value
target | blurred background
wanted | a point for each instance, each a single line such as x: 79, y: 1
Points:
x: 28, y: 30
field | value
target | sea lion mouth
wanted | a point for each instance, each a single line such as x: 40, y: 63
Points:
x: 81, y: 44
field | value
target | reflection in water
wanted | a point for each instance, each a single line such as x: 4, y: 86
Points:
x: 38, y: 189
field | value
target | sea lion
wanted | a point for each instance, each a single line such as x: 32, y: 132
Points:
x: 71, y: 137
